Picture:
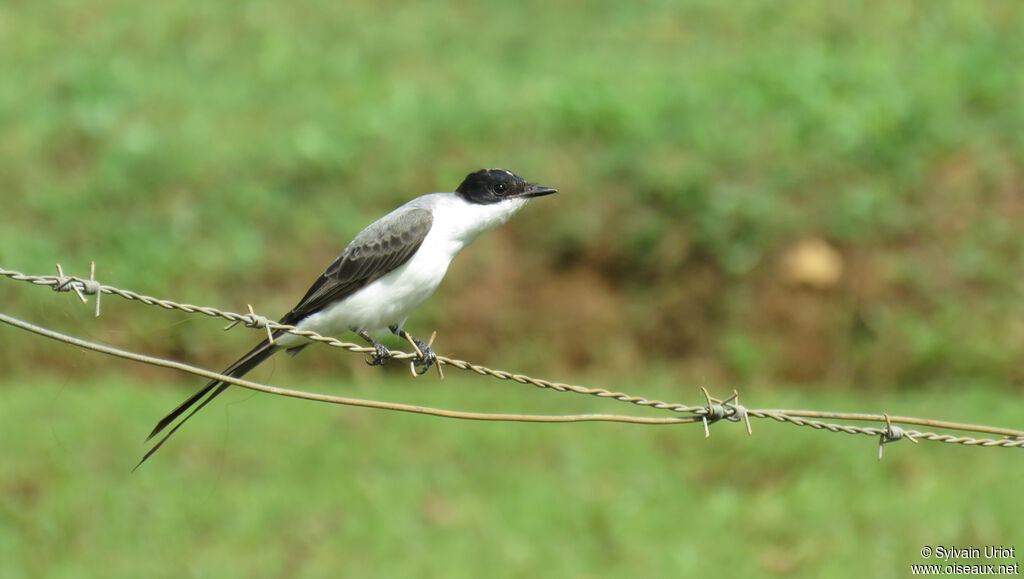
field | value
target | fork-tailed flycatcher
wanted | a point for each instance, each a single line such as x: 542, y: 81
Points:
x: 388, y: 270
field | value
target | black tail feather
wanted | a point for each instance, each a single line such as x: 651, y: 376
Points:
x: 241, y: 367
x: 174, y: 414
x: 223, y: 386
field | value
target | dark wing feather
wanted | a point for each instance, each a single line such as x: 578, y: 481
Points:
x: 379, y: 249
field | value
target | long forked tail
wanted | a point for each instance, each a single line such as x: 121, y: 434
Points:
x: 212, y: 389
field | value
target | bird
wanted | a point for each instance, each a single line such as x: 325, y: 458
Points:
x: 381, y: 276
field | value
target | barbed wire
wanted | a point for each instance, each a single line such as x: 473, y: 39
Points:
x: 714, y: 409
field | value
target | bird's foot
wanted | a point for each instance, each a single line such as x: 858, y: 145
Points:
x: 425, y: 356
x: 381, y: 354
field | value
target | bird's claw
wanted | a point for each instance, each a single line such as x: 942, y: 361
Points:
x: 425, y: 357
x: 380, y: 356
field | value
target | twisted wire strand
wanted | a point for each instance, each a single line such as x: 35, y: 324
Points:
x: 714, y: 411
x: 1016, y: 441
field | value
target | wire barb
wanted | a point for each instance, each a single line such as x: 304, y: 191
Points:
x: 260, y: 322
x: 892, y: 433
x: 430, y: 344
x: 81, y: 287
x: 737, y: 411
x: 712, y: 413
x: 419, y: 353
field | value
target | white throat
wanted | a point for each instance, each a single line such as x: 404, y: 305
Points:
x: 457, y: 222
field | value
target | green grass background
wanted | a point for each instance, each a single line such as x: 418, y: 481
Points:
x: 222, y: 153
x: 266, y: 487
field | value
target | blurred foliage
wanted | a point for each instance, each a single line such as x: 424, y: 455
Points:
x: 222, y: 153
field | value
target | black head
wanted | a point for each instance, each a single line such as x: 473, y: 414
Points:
x: 494, y: 185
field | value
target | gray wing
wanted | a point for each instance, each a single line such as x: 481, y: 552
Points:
x: 380, y: 248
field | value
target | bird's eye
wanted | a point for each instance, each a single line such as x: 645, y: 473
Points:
x: 499, y: 188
